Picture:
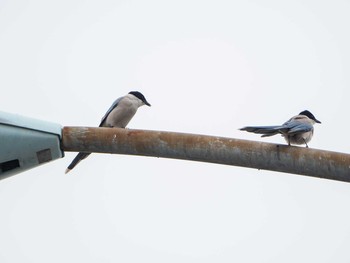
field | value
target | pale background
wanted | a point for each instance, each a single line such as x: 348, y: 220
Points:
x: 207, y: 67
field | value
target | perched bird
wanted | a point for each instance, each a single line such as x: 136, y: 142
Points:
x: 298, y: 130
x: 118, y: 115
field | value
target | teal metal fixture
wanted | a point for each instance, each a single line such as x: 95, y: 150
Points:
x: 26, y: 143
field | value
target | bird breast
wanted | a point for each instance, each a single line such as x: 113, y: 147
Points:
x: 121, y: 115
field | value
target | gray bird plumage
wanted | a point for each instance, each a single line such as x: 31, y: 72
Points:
x: 118, y: 115
x: 297, y: 130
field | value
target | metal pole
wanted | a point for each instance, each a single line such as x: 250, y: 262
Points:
x: 229, y: 151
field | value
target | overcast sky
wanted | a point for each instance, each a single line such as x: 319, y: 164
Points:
x: 207, y: 67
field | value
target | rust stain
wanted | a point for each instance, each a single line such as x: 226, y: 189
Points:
x: 133, y: 132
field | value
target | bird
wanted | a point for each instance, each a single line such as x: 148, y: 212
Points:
x: 118, y: 115
x: 297, y: 130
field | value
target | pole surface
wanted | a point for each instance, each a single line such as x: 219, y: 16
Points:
x: 220, y: 150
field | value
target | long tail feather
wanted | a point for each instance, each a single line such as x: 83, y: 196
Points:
x: 264, y: 130
x: 80, y: 156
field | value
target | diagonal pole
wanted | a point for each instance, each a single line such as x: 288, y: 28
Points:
x: 211, y: 149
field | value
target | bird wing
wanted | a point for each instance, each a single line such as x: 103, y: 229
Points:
x: 115, y: 104
x: 290, y: 127
x: 298, y: 127
x: 295, y: 125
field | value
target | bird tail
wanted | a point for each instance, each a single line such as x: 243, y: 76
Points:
x: 80, y: 156
x: 264, y: 130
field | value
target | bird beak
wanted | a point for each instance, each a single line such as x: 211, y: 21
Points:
x: 317, y: 121
x: 146, y: 103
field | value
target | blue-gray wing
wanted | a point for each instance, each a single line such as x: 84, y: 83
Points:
x: 297, y: 127
x: 115, y: 104
x: 290, y: 127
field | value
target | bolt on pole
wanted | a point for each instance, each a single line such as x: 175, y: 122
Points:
x: 211, y: 149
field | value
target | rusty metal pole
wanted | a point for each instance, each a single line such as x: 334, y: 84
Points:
x: 229, y: 151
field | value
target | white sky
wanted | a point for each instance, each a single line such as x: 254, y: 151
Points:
x: 207, y: 67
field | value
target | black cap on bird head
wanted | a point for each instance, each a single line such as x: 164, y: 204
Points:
x: 140, y: 96
x: 310, y: 115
